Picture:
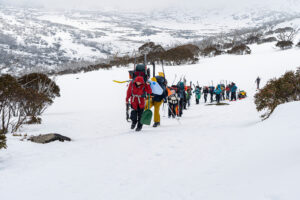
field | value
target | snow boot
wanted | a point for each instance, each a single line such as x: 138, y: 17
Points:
x: 156, y: 124
x: 133, y: 125
x: 139, y: 128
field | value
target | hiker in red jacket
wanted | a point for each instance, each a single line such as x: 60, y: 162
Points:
x: 135, y: 92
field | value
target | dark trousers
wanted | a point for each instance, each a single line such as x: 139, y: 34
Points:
x: 218, y: 98
x: 172, y: 110
x: 136, y: 116
x: 227, y: 94
x: 181, y: 106
x: 233, y: 96
x: 184, y: 104
x: 205, y: 97
x: 197, y: 101
x: 211, y: 97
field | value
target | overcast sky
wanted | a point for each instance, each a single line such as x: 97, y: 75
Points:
x: 140, y: 4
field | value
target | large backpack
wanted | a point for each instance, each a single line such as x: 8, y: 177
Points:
x: 140, y: 70
x: 162, y: 82
x: 181, y: 90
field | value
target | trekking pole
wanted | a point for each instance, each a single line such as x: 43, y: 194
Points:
x: 164, y: 110
x: 176, y: 117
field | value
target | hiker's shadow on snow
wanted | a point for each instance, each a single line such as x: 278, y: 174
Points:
x: 59, y: 113
x: 3, y: 164
x: 250, y: 124
x: 193, y: 116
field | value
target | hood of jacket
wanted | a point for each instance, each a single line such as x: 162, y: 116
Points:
x: 139, y: 79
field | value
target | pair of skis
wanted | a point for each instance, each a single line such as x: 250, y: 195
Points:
x: 121, y: 81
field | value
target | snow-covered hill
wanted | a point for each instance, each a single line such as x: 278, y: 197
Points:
x: 38, y: 38
x: 212, y: 153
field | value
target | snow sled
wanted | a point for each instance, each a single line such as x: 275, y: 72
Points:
x: 242, y: 95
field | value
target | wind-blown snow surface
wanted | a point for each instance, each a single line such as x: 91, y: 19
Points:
x: 212, y: 153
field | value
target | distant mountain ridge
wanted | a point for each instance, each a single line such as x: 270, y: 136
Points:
x: 33, y: 38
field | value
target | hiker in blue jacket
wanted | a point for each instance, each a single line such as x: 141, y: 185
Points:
x: 233, y: 92
x: 218, y: 92
x: 197, y: 92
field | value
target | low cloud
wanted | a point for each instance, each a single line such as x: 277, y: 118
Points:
x: 141, y: 4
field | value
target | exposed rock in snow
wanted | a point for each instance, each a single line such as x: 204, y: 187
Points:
x: 47, y: 138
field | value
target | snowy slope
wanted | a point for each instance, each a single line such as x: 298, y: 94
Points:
x: 212, y: 153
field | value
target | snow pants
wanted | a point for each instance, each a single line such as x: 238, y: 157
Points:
x: 180, y: 107
x: 172, y: 110
x: 227, y: 95
x: 205, y: 97
x: 156, y: 109
x: 198, y: 97
x: 218, y: 98
x: 233, y: 96
x: 136, y: 116
x: 211, y: 97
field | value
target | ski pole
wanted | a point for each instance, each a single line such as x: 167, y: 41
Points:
x: 177, y: 118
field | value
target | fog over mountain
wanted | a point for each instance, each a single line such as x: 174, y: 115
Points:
x: 135, y: 5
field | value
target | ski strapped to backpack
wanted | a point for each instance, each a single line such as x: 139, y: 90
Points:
x: 121, y: 81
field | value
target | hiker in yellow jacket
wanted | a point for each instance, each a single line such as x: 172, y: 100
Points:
x: 158, y: 100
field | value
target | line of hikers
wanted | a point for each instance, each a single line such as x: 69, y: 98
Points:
x: 178, y: 97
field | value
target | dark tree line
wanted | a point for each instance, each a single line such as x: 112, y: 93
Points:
x: 182, y: 54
